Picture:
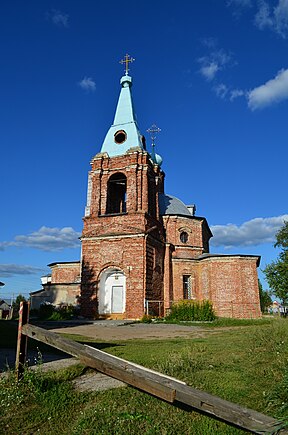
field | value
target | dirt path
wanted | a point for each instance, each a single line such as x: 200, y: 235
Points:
x: 108, y: 331
x: 114, y: 331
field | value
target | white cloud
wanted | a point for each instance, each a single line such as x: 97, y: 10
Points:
x: 239, y: 6
x: 221, y: 90
x: 8, y: 270
x: 58, y: 18
x: 275, y: 18
x: 88, y: 84
x: 4, y: 245
x: 272, y: 92
x: 209, y: 71
x: 263, y: 17
x: 281, y: 18
x: 47, y: 239
x: 214, y: 62
x: 250, y: 233
x: 236, y: 93
x: 240, y: 3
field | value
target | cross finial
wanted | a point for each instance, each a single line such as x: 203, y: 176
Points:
x: 127, y: 59
x: 153, y: 130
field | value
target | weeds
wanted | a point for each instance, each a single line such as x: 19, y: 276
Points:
x: 246, y: 365
x: 188, y: 310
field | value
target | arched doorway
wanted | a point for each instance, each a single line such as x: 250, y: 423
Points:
x: 112, y: 290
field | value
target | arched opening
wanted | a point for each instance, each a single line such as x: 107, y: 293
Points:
x: 184, y: 237
x: 112, y: 292
x: 116, y: 194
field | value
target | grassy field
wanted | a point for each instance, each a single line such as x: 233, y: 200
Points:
x: 245, y: 363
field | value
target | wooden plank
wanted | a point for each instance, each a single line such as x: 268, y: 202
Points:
x: 21, y: 351
x: 103, y: 362
x: 164, y: 387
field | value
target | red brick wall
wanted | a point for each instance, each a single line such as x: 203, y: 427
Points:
x: 65, y: 273
x: 131, y: 241
x: 154, y: 264
x: 140, y: 173
x: 141, y: 262
x: 198, y: 240
x: 230, y: 283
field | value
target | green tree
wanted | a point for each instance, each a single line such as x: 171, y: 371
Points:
x: 282, y: 237
x: 16, y: 303
x: 277, y: 271
x: 265, y: 298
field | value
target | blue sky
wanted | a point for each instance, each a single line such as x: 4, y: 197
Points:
x: 212, y: 74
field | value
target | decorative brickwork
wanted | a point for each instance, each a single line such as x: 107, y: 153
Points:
x: 142, y: 250
x: 130, y: 240
x: 153, y: 251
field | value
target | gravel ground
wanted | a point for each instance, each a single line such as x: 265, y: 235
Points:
x: 110, y: 330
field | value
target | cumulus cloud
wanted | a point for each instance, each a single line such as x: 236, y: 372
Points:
x: 209, y: 71
x: 8, y: 270
x: 263, y: 17
x: 250, y: 233
x: 272, y: 92
x: 275, y: 19
x: 4, y: 245
x: 47, y: 239
x: 221, y: 90
x: 87, y: 84
x: 58, y: 18
x: 236, y: 93
x: 214, y: 62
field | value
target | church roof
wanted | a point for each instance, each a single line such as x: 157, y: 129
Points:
x: 124, y: 132
x: 170, y: 205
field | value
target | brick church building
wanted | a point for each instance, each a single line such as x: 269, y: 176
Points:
x: 143, y: 249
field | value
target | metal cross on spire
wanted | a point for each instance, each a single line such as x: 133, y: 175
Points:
x: 153, y: 130
x: 127, y: 59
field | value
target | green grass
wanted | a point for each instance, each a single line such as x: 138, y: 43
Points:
x: 246, y: 365
x: 222, y: 322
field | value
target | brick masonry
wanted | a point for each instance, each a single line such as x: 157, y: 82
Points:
x: 146, y: 248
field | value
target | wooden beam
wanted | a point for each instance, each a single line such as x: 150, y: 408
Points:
x: 161, y: 386
x: 21, y: 351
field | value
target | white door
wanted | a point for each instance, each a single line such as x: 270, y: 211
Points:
x: 117, y: 299
x: 112, y: 292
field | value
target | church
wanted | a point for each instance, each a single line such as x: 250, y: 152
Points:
x: 143, y: 249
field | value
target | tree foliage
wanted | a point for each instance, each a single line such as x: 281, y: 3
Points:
x: 277, y: 271
x: 265, y: 298
x: 16, y: 303
x: 282, y: 237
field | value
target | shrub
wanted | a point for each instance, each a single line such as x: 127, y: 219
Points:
x: 50, y: 312
x: 46, y: 311
x: 146, y: 318
x: 188, y: 310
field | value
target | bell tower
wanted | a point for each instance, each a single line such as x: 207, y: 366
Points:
x: 123, y: 237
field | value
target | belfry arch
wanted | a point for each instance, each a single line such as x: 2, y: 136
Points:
x: 116, y: 194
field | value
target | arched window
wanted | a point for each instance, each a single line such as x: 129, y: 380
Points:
x: 116, y: 194
x: 184, y: 237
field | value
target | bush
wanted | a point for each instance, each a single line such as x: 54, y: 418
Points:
x: 46, y: 311
x: 146, y: 318
x: 50, y: 312
x: 188, y: 310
